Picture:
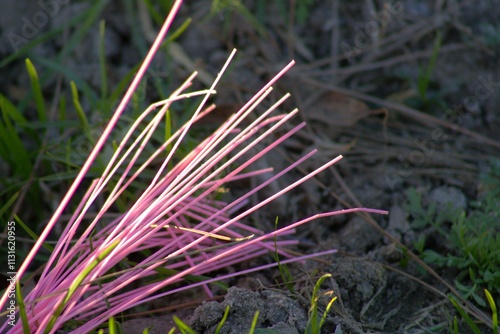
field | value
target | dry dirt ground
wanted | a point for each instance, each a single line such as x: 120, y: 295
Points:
x: 356, y: 83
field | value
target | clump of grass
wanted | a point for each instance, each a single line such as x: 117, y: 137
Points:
x: 472, y: 239
x: 315, y: 323
x: 177, y: 224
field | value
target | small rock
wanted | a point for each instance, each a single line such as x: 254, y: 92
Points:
x: 358, y: 236
x: 359, y: 280
x: 447, y: 196
x: 399, y: 227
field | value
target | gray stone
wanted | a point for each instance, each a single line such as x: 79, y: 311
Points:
x: 277, y: 312
x: 445, y: 196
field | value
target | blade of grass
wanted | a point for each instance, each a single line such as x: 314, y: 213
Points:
x: 157, y: 17
x: 113, y: 327
x: 173, y: 36
x: 31, y: 233
x: 168, y: 130
x: 9, y: 203
x: 102, y: 61
x: 327, y: 310
x: 183, y: 327
x: 79, y: 110
x: 494, y: 313
x: 424, y: 77
x: 465, y: 316
x: 223, y: 320
x: 12, y: 148
x: 254, y: 322
x: 13, y: 111
x: 313, y: 324
x: 76, y: 284
x: 22, y: 308
x: 37, y: 91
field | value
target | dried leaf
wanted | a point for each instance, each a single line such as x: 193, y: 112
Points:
x: 336, y: 109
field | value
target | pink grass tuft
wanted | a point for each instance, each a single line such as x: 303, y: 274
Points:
x: 177, y: 218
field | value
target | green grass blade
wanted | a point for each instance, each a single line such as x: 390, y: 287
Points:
x: 60, y: 176
x: 9, y: 203
x: 157, y: 17
x: 120, y: 87
x: 106, y: 299
x: 79, y: 110
x: 465, y: 316
x: 37, y: 91
x: 88, y: 269
x: 494, y: 313
x: 11, y: 146
x: 183, y: 327
x: 22, y: 309
x: 254, y: 322
x: 65, y: 161
x: 102, y: 61
x: 79, y: 279
x: 32, y: 234
x: 313, y: 324
x: 179, y: 31
x: 13, y: 111
x: 424, y: 78
x: 223, y: 320
x: 113, y: 326
x: 168, y: 130
x: 327, y: 310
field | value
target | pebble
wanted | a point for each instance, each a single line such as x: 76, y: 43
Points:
x: 444, y: 196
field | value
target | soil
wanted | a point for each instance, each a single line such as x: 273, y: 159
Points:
x: 355, y: 82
